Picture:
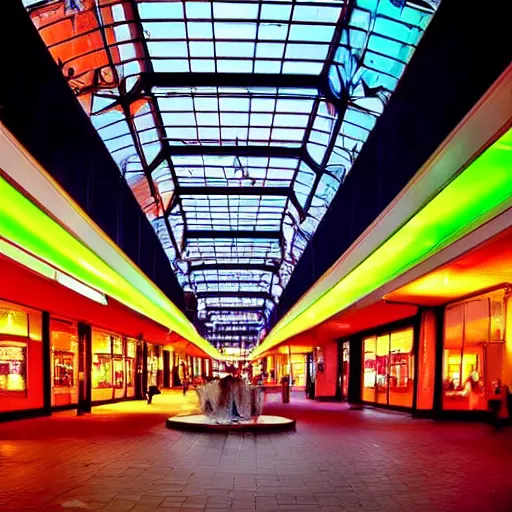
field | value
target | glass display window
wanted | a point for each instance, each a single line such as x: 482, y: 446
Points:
x: 101, y: 342
x: 130, y: 372
x: 474, y: 332
x: 13, y: 321
x: 388, y: 368
x: 118, y: 373
x: 117, y: 345
x: 64, y: 347
x: 101, y: 371
x: 401, y: 368
x: 13, y: 368
x: 369, y: 368
x: 64, y: 369
x: 198, y: 371
x: 345, y: 371
x: 131, y: 349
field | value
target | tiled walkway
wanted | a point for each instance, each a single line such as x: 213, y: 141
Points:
x: 122, y: 458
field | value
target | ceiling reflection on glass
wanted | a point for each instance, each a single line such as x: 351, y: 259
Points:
x: 234, y: 123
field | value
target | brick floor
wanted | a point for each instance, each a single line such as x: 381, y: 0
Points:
x: 122, y: 458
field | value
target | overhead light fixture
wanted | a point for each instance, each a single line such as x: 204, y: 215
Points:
x: 82, y: 289
x: 44, y: 269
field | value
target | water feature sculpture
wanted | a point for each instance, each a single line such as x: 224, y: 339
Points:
x: 230, y: 400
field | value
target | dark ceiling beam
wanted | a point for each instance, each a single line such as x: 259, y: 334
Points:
x: 234, y: 266
x: 149, y: 80
x: 244, y: 191
x: 261, y: 151
x: 241, y: 309
x: 241, y: 332
x: 260, y: 235
x: 226, y: 282
x: 233, y: 294
x: 237, y: 191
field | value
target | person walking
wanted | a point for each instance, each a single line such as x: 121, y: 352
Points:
x: 185, y: 383
x: 500, y: 404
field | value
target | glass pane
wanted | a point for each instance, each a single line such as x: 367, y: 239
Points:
x: 476, y: 321
x: 13, y: 321
x: 370, y: 369
x: 382, y: 364
x: 401, y: 368
x: 13, y: 368
x: 453, y: 327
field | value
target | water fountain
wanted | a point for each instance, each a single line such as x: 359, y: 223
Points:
x: 230, y: 404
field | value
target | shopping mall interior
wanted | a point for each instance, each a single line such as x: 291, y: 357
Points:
x: 345, y: 267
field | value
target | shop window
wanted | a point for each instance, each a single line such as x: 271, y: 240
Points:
x: 13, y: 368
x: 369, y: 369
x: 118, y: 373
x: 63, y: 369
x: 13, y: 321
x: 130, y: 372
x: 117, y: 345
x: 473, y: 351
x: 345, y: 369
x: 64, y: 353
x: 388, y: 368
x: 101, y: 371
x: 401, y: 368
x: 131, y: 348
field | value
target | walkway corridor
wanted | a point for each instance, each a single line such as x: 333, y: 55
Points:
x: 122, y: 458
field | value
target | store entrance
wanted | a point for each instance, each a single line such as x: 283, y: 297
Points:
x: 388, y: 377
x: 345, y: 365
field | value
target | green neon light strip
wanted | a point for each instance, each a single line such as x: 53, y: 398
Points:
x: 476, y: 195
x: 24, y: 224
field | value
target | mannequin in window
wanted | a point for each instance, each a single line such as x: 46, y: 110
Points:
x: 473, y: 390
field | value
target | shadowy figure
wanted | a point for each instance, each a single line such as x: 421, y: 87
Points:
x: 152, y: 391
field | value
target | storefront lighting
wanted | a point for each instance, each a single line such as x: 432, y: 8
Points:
x: 45, y: 270
x: 26, y: 259
x: 25, y: 225
x: 476, y: 195
x: 80, y: 288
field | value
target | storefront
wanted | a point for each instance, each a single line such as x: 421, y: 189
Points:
x: 476, y: 352
x: 155, y: 365
x: 64, y: 362
x: 113, y: 366
x: 388, y: 368
x: 21, y: 355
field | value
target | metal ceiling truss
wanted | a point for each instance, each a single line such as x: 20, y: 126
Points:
x: 234, y: 123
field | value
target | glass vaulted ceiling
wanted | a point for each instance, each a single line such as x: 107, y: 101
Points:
x: 234, y: 123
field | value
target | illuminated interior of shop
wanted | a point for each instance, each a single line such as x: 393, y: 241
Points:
x: 345, y: 372
x: 21, y: 378
x: 388, y: 368
x: 64, y: 362
x: 474, y: 350
x: 131, y: 354
x: 154, y: 364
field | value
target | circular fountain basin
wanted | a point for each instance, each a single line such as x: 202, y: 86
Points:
x: 202, y: 423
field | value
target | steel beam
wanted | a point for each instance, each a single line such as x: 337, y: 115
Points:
x: 252, y: 80
x: 237, y: 191
x: 260, y: 235
x: 234, y: 266
x: 260, y: 151
x: 233, y: 294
